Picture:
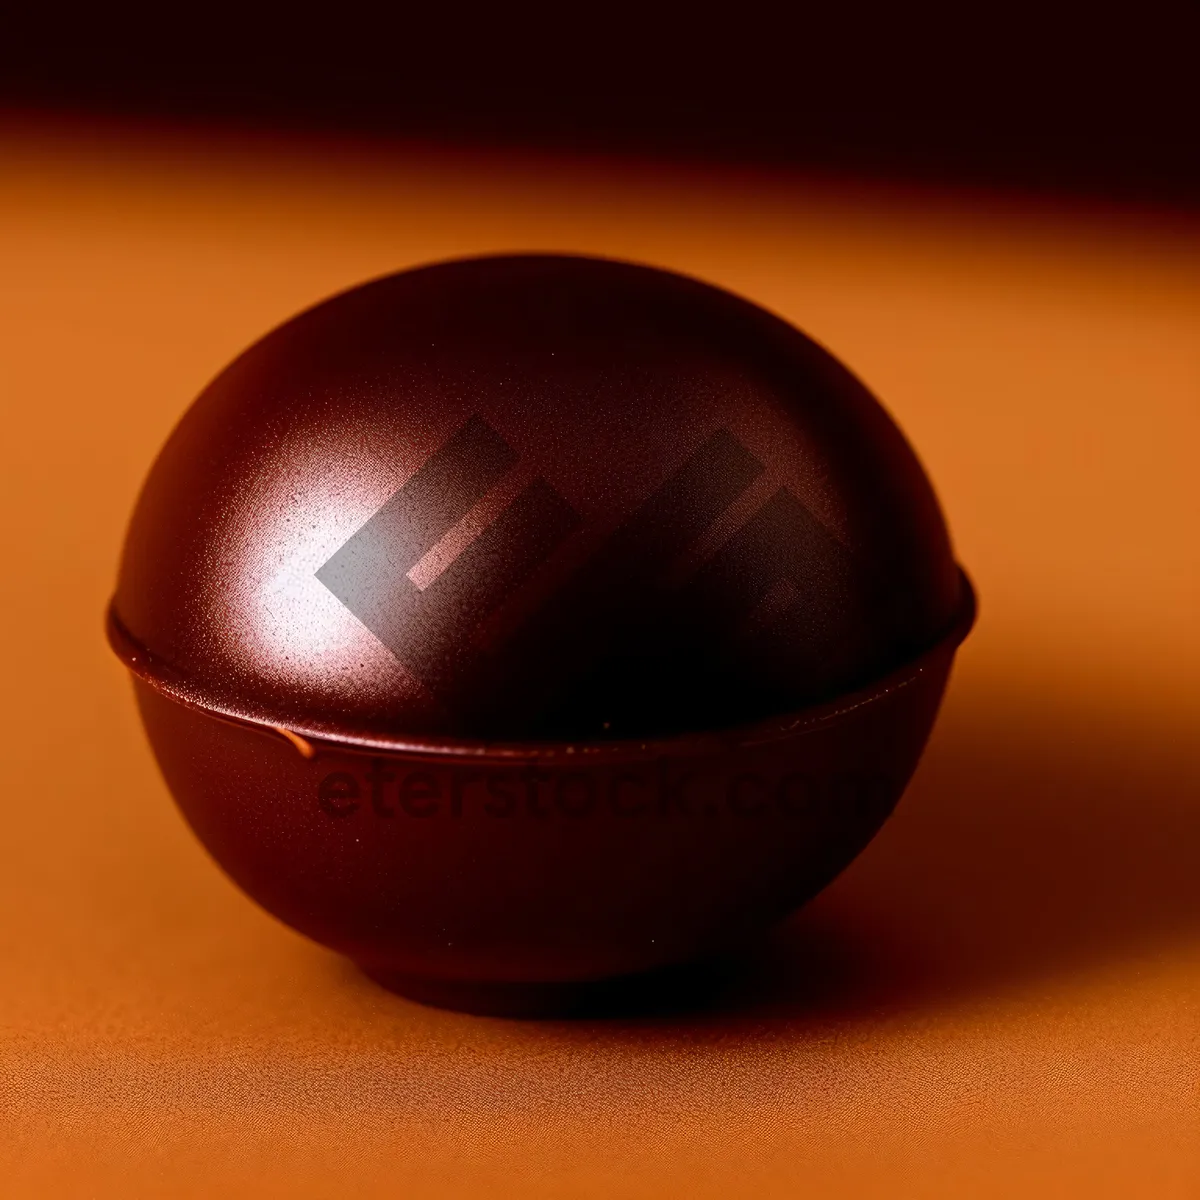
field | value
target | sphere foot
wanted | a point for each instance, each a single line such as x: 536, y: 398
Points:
x: 667, y: 989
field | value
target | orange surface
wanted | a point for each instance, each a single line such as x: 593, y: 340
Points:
x: 1001, y: 997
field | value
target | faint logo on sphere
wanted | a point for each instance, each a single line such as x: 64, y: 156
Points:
x: 775, y: 575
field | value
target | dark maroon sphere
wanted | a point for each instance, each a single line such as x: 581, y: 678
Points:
x: 534, y: 619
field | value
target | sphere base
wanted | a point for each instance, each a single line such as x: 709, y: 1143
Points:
x: 666, y: 989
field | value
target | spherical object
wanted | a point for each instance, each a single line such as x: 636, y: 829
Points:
x: 524, y: 621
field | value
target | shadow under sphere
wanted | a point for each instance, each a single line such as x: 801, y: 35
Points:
x: 1031, y: 844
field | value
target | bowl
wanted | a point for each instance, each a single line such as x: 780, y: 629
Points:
x: 518, y: 624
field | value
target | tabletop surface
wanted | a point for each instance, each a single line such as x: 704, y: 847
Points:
x: 1000, y: 997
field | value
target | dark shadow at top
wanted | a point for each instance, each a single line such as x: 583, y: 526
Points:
x: 1101, y: 107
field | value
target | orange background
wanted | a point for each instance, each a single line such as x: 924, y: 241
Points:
x: 1002, y: 996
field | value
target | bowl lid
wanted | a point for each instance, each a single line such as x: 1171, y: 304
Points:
x: 532, y: 497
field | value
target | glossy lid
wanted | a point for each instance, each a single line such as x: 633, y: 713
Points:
x: 531, y: 497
